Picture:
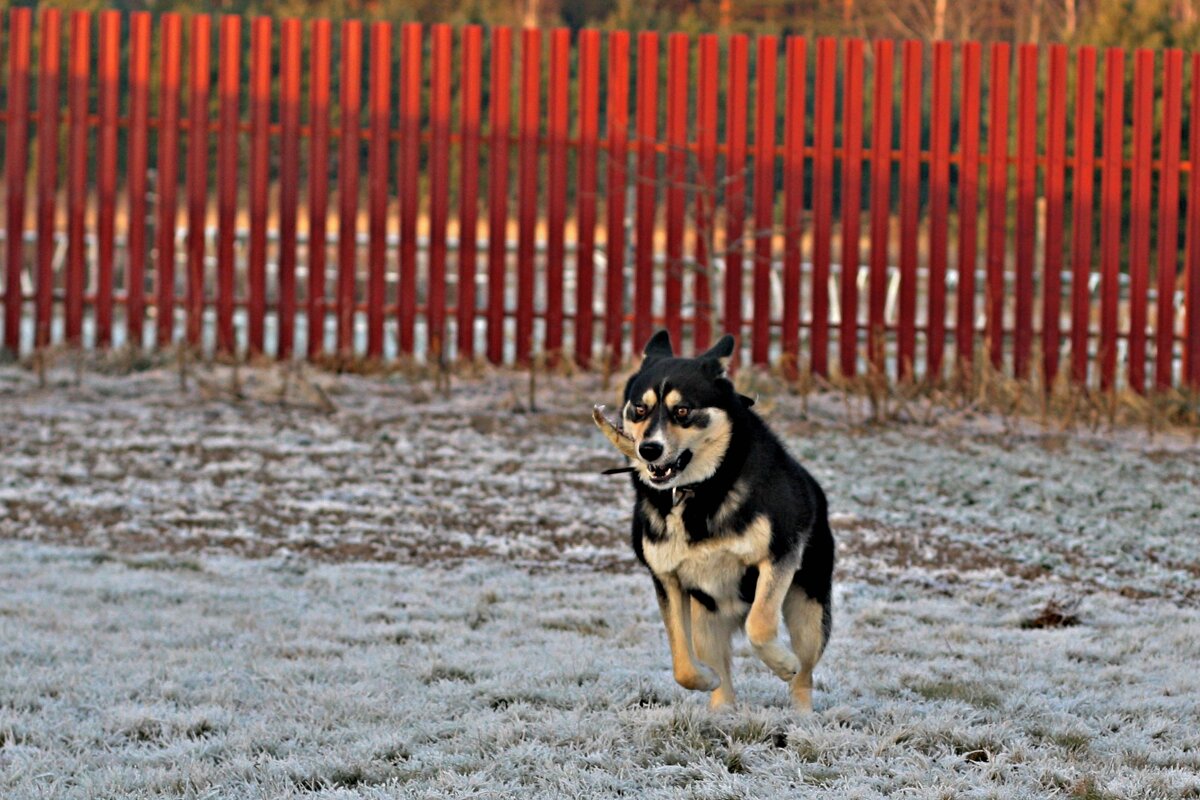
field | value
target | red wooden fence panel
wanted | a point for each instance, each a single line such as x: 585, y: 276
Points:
x: 910, y: 208
x: 764, y: 195
x: 1140, y: 204
x: 706, y: 192
x: 347, y: 259
x: 1026, y: 230
x: 16, y: 162
x: 618, y: 123
x: 735, y: 183
x: 557, y: 128
x: 200, y: 45
x: 881, y: 179
x: 1056, y: 143
x: 108, y: 98
x: 227, y: 178
x: 289, y: 180
x: 528, y: 131
x: 646, y: 191
x: 78, y: 79
x: 1083, y: 181
x: 439, y: 186
x: 585, y: 252
x: 822, y: 202
x: 1168, y: 217
x: 409, y: 171
x: 852, y: 139
x: 260, y: 165
x: 968, y: 203
x: 499, y: 99
x: 1110, y: 213
x: 379, y: 111
x: 320, y: 46
x: 997, y: 209
x: 793, y: 200
x: 171, y: 40
x: 138, y: 170
x: 49, y: 79
x: 676, y: 194
x: 939, y: 208
x: 1191, y: 345
x: 468, y: 208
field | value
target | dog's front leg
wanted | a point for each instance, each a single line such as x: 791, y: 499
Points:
x: 690, y: 673
x: 762, y: 623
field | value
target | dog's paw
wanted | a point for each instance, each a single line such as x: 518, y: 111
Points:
x: 779, y: 660
x: 699, y: 679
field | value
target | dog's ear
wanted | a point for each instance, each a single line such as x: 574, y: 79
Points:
x: 720, y: 353
x: 659, y: 346
x: 747, y: 402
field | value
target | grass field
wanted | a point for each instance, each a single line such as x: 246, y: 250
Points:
x: 365, y: 587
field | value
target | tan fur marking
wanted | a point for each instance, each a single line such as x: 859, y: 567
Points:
x: 805, y: 622
x: 762, y: 623
x: 653, y: 518
x: 650, y: 398
x: 712, y: 634
x: 677, y: 617
x: 729, y: 506
x: 674, y: 398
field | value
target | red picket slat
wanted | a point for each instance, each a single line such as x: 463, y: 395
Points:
x: 706, y: 179
x: 618, y: 142
x: 108, y: 98
x: 1083, y: 181
x: 997, y: 201
x: 939, y: 208
x: 409, y: 176
x: 468, y: 209
x: 439, y: 185
x: 647, y: 177
x: 171, y: 33
x: 260, y: 165
x: 1140, y: 205
x: 1056, y: 150
x: 499, y: 98
x: 289, y: 180
x: 78, y: 79
x: 379, y: 112
x: 527, y: 187
x: 764, y: 195
x: 968, y: 203
x: 1027, y: 131
x: 735, y: 184
x: 138, y: 171
x: 881, y: 179
x: 200, y: 44
x: 1191, y: 335
x: 1110, y: 213
x: 1168, y: 217
x: 16, y: 164
x: 910, y: 208
x: 320, y: 48
x: 347, y: 252
x: 556, y: 192
x: 822, y: 198
x: 852, y: 163
x: 585, y: 251
x: 229, y: 83
x: 793, y: 199
x: 49, y: 78
x: 677, y: 143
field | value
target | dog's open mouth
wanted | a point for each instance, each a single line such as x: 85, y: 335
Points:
x: 664, y: 473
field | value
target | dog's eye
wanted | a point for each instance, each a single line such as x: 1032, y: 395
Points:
x: 682, y: 412
x: 639, y: 410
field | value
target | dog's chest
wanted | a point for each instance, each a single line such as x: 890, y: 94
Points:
x: 712, y: 564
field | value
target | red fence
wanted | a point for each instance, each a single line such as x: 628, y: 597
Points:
x: 700, y: 184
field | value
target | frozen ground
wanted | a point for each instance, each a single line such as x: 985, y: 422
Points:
x: 441, y: 603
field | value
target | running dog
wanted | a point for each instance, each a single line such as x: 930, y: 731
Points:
x: 733, y: 530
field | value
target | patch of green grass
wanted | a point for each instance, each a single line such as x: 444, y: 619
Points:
x: 969, y: 692
x: 444, y: 672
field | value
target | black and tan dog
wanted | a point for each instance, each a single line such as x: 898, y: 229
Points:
x: 733, y: 530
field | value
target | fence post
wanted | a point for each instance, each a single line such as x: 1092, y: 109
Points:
x: 614, y: 245
x: 379, y: 112
x: 260, y: 165
x: 556, y: 193
x: 1168, y: 217
x: 852, y: 164
x: 1081, y: 210
x: 910, y: 208
x: 108, y: 96
x: 764, y: 195
x: 468, y: 213
x: 351, y: 131
x: 968, y: 216
x: 16, y: 163
x: 320, y: 50
x: 49, y: 78
x: 735, y: 186
x: 647, y: 188
x: 499, y: 99
x: 1056, y: 143
x: 706, y: 194
x: 227, y: 178
x: 289, y: 181
x: 527, y: 187
x: 77, y: 172
x: 439, y: 189
x: 1110, y: 212
x: 585, y: 252
x: 793, y: 200
x: 409, y: 171
x: 171, y: 33
x: 997, y: 202
x: 1026, y: 230
x: 677, y: 144
x: 939, y: 209
x: 881, y: 202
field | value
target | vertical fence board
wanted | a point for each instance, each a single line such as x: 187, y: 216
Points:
x: 1110, y: 213
x: 793, y: 199
x: 528, y: 178
x: 1056, y: 142
x: 1083, y: 181
x: 16, y: 164
x: 618, y: 122
x: 171, y: 40
x: 137, y: 184
x: 585, y: 251
x: 498, y: 132
x: 646, y: 192
x: 968, y: 200
x: 677, y: 143
x: 852, y: 162
x: 78, y: 80
x: 939, y: 209
x: 1026, y: 230
x: 735, y: 184
x: 108, y: 98
x: 227, y: 178
x: 706, y: 193
x: 1140, y: 206
x: 320, y: 47
x: 1168, y: 218
x: 410, y: 181
x: 822, y: 200
x: 1191, y: 341
x: 199, y: 44
x: 379, y: 111
x: 468, y: 208
x: 764, y: 195
x: 260, y: 166
x: 997, y: 201
x: 881, y: 180
x: 910, y: 208
x: 349, y: 106
x: 289, y: 181
x: 439, y: 186
x: 556, y: 191
x: 49, y: 80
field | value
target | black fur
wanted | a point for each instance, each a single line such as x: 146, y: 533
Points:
x: 777, y: 485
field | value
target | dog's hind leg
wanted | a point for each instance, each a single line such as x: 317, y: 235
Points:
x: 762, y: 623
x: 713, y: 635
x: 676, y: 614
x: 806, y: 623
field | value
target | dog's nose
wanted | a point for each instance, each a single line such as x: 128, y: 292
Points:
x: 650, y: 450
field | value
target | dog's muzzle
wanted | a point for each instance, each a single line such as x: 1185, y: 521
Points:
x: 665, y: 473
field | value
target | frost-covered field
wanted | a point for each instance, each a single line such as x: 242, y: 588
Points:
x: 441, y: 603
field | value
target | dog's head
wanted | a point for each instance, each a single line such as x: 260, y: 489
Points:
x: 679, y: 413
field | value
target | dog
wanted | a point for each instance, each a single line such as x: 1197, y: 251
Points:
x: 735, y: 533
